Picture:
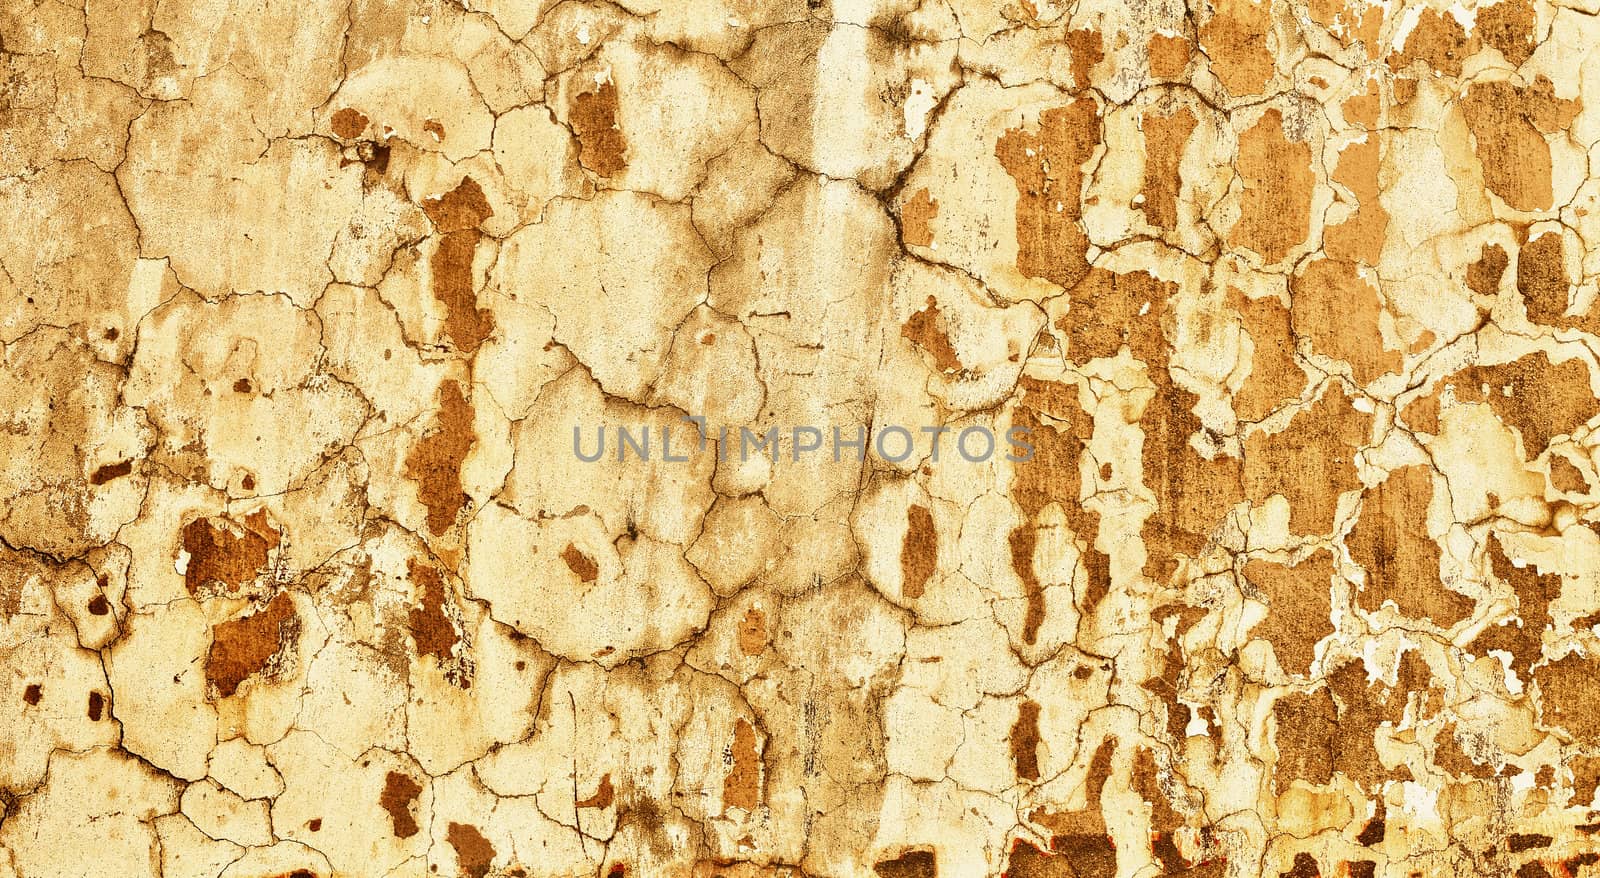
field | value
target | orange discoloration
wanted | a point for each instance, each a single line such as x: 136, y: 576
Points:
x: 1311, y: 463
x: 1362, y: 108
x: 923, y: 328
x: 1275, y: 207
x: 1048, y: 170
x: 1299, y: 605
x: 1536, y: 397
x: 1438, y: 40
x: 246, y: 646
x: 1483, y: 275
x: 753, y: 632
x: 1391, y: 542
x: 1337, y: 309
x: 435, y: 461
x: 1508, y: 126
x: 604, y: 794
x: 1164, y: 139
x: 1275, y: 378
x: 742, y: 787
x: 1169, y: 56
x: 602, y: 148
x: 916, y: 218
x: 1052, y: 477
x: 1359, y: 238
x: 1508, y: 26
x: 1564, y: 476
x: 1566, y: 689
x: 1523, y: 637
x: 919, y: 554
x: 1235, y: 39
x: 1087, y: 49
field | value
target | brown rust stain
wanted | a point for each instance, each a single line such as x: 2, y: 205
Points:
x: 96, y: 707
x: 1052, y: 476
x: 430, y: 625
x: 1275, y: 206
x: 1566, y: 477
x: 245, y: 646
x: 1235, y: 39
x: 583, y: 566
x: 1566, y: 696
x: 99, y: 606
x: 1311, y: 462
x: 1359, y: 238
x: 1025, y: 741
x: 32, y: 694
x: 1483, y: 275
x: 1538, y: 398
x: 1086, y: 48
x: 753, y: 632
x: 225, y: 551
x: 919, y: 555
x: 604, y: 794
x: 434, y: 463
x: 1275, y: 377
x: 1331, y: 728
x: 1299, y: 605
x: 911, y: 864
x: 1047, y: 167
x: 348, y: 123
x: 456, y: 216
x: 742, y: 787
x: 1508, y: 126
x: 916, y: 219
x: 1508, y: 26
x: 924, y: 330
x: 1391, y: 542
x: 1438, y: 40
x: 1337, y: 308
x: 474, y: 853
x: 601, y: 146
x: 1169, y: 56
x: 1523, y: 637
x: 110, y: 471
x: 1164, y: 139
x: 399, y: 797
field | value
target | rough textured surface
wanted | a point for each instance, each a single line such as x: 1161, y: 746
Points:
x: 1295, y: 302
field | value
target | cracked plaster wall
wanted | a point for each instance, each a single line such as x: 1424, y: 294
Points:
x: 300, y: 301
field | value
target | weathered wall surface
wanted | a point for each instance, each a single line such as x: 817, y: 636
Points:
x: 300, y: 303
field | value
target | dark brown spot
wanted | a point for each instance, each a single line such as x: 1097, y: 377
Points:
x: 1566, y: 689
x: 314, y: 824
x: 1391, y: 542
x: 430, y: 625
x: 245, y: 646
x: 435, y: 461
x: 923, y: 329
x: 1483, y: 275
x: 1520, y: 842
x: 456, y: 216
x: 241, y: 386
x: 580, y: 564
x: 1305, y: 866
x: 33, y: 693
x: 348, y: 123
x: 1025, y: 741
x: 225, y: 551
x: 604, y: 794
x: 473, y: 852
x: 99, y: 606
x: 110, y: 471
x: 97, y: 705
x: 1048, y: 170
x: 911, y: 864
x: 594, y: 119
x: 398, y: 798
x: 919, y: 554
